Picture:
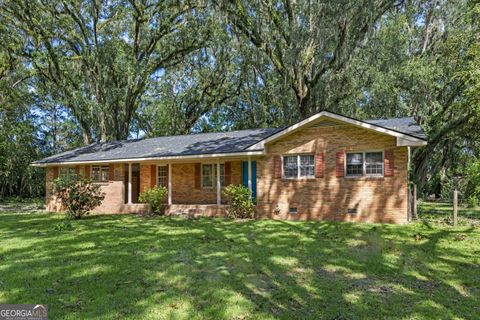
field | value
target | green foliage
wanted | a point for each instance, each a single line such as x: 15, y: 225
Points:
x: 449, y: 185
x: 155, y: 197
x: 466, y: 181
x: 472, y: 185
x: 308, y: 44
x: 474, y: 200
x: 19, y: 143
x: 98, y: 58
x: 240, y: 200
x: 19, y: 146
x: 78, y: 195
x: 65, y: 225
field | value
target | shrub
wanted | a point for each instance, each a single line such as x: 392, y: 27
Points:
x: 155, y: 197
x: 78, y: 195
x: 240, y: 201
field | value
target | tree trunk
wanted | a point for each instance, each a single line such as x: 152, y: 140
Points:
x: 85, y: 134
x: 54, y: 129
x: 304, y: 103
x: 103, y: 128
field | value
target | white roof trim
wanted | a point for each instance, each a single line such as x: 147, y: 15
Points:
x: 402, y: 142
x: 299, y: 125
x: 187, y: 157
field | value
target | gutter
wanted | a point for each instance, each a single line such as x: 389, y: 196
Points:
x: 144, y: 159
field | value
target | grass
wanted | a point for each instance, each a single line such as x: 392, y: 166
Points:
x: 442, y: 212
x: 129, y: 267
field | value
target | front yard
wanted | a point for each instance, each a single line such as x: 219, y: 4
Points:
x: 124, y: 266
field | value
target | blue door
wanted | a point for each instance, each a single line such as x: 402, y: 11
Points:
x: 254, y: 177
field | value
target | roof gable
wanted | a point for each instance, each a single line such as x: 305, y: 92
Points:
x: 411, y: 136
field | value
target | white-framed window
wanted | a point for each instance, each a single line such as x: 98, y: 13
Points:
x: 364, y: 164
x: 209, y: 175
x: 100, y: 173
x: 355, y: 164
x: 162, y: 176
x: 298, y: 166
x: 67, y: 172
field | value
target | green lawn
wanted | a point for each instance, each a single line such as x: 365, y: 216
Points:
x: 129, y: 267
x: 442, y: 213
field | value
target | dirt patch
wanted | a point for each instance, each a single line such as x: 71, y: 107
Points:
x: 26, y: 208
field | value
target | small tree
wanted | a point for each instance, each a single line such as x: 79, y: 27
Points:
x: 240, y: 200
x: 155, y: 197
x: 78, y: 195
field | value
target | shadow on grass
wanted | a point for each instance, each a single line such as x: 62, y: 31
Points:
x: 113, y: 267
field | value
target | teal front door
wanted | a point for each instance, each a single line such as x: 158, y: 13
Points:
x: 254, y: 177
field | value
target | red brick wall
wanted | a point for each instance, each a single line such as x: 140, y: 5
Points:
x: 114, y: 192
x: 113, y: 189
x: 145, y: 177
x: 329, y: 197
x: 183, y: 184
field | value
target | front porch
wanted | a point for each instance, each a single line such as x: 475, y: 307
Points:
x: 189, y: 183
x: 194, y: 187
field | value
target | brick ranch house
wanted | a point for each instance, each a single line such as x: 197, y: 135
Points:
x: 327, y: 166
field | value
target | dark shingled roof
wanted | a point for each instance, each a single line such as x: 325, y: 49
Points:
x: 405, y: 125
x: 184, y: 145
x: 197, y: 144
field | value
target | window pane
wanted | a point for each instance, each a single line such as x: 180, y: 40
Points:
x: 354, y: 164
x: 68, y: 172
x: 105, y: 175
x: 354, y: 169
x: 354, y: 158
x: 307, y: 166
x: 374, y: 169
x: 95, y: 174
x: 307, y: 160
x: 207, y: 169
x: 100, y: 173
x: 214, y: 174
x: 290, y: 167
x: 374, y: 163
x: 162, y: 176
x: 373, y: 157
x: 222, y: 174
x: 207, y: 176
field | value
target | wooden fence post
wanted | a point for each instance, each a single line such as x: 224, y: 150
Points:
x: 455, y: 207
x: 415, y: 214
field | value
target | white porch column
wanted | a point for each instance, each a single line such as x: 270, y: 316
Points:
x: 250, y: 174
x: 129, y: 183
x: 169, y: 183
x: 219, y: 185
